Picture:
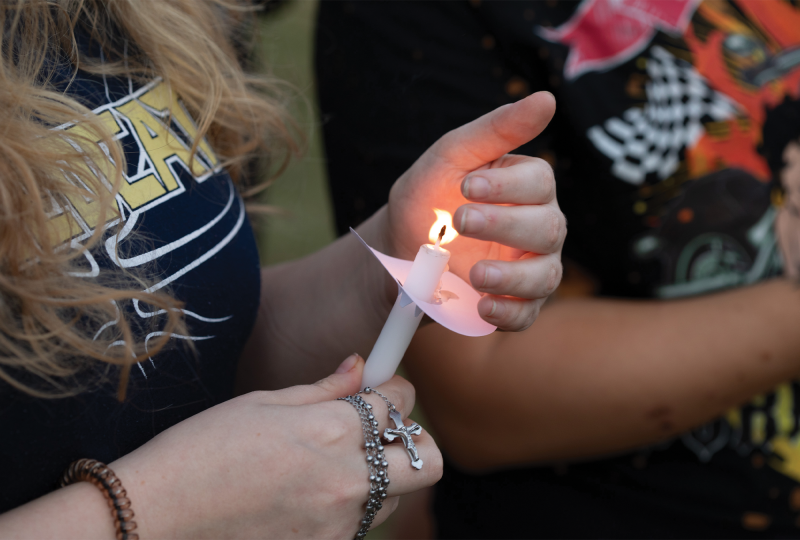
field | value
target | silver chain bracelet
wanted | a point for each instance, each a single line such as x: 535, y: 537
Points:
x: 376, y: 461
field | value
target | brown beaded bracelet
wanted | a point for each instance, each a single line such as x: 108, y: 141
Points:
x: 91, y: 470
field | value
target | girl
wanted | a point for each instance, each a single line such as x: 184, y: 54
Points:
x: 133, y: 308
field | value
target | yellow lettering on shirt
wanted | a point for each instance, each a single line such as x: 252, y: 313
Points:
x: 154, y: 116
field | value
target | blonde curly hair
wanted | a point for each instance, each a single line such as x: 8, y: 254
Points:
x: 48, y: 312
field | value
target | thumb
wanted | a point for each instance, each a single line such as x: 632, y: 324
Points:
x: 496, y: 133
x: 344, y: 381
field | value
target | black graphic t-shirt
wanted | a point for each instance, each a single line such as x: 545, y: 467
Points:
x: 185, y: 231
x: 676, y: 148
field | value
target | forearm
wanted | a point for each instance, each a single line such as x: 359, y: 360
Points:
x: 316, y: 311
x: 599, y: 376
x: 77, y: 511
x: 80, y: 510
x: 313, y: 314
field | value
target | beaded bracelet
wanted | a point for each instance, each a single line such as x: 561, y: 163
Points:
x: 91, y: 470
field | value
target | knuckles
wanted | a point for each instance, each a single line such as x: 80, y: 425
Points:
x: 556, y: 230
x: 522, y: 317
x: 335, y: 423
x: 338, y: 430
x: 530, y: 314
x: 404, y: 397
x: 389, y: 506
x: 435, y: 464
x: 477, y: 276
x: 547, y: 179
x: 554, y: 275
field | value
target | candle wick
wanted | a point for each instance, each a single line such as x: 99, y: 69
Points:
x: 441, y: 235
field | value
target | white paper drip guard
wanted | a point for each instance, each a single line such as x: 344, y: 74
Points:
x: 458, y: 310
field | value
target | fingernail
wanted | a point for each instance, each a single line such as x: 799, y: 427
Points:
x: 348, y: 364
x: 472, y: 221
x: 476, y: 187
x: 491, y: 276
x: 497, y: 311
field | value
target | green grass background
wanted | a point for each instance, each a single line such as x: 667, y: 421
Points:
x: 306, y: 222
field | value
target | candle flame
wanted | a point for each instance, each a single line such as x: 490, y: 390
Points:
x: 443, y: 218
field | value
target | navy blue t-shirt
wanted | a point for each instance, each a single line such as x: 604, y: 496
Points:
x: 186, y: 233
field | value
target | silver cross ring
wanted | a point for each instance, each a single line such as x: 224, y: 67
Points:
x: 404, y: 433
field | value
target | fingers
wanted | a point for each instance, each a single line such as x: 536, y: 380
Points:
x: 344, y: 382
x: 403, y: 478
x: 535, y: 228
x: 399, y: 392
x: 390, y: 504
x: 511, y: 314
x: 531, y: 278
x: 530, y: 181
x: 496, y: 133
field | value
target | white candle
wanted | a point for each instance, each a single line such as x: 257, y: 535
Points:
x: 422, y: 282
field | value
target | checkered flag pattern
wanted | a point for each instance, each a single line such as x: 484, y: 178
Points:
x: 648, y: 141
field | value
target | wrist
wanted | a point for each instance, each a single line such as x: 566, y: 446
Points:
x: 380, y: 284
x: 375, y: 231
x: 155, y: 516
x: 102, y: 477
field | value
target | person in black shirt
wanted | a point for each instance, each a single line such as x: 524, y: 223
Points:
x: 666, y: 407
